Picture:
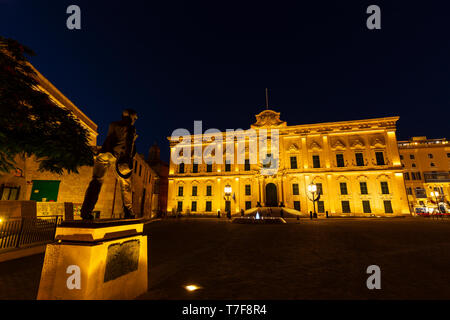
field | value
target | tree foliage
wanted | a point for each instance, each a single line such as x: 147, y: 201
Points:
x: 31, y: 123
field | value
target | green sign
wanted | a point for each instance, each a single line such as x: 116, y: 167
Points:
x: 45, y: 190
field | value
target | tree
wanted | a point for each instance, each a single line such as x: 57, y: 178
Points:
x: 31, y: 123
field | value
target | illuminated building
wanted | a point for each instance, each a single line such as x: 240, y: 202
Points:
x: 427, y: 170
x: 355, y: 166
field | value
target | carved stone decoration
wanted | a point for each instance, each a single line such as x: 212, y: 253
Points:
x: 268, y: 118
x: 378, y: 143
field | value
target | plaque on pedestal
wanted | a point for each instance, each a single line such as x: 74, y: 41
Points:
x: 99, y: 260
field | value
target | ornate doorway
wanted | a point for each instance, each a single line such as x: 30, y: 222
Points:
x: 271, y: 195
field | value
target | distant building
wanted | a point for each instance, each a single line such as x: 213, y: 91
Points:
x: 51, y: 191
x: 355, y: 166
x: 427, y: 169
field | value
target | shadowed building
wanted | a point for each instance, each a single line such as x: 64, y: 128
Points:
x: 427, y: 169
x: 355, y: 166
x: 51, y: 191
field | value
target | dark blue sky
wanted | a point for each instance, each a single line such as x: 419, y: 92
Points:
x: 176, y: 62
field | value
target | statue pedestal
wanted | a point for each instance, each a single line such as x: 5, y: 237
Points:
x: 99, y: 260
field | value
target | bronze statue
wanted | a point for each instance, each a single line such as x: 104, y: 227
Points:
x: 118, y: 150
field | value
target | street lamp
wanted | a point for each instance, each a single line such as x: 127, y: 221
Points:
x: 228, y: 191
x: 312, y: 188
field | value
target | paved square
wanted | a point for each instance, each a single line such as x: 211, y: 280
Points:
x: 320, y: 259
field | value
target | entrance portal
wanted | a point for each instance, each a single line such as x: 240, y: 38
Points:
x: 271, y: 195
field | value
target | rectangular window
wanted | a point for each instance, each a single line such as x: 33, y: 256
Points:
x: 388, y: 206
x: 363, y: 187
x: 180, y: 191
x: 293, y: 162
x: 208, y: 207
x: 297, y: 205
x: 345, y: 206
x: 247, y: 165
x: 227, y: 166
x: 419, y: 176
x: 343, y: 186
x: 194, y: 191
x: 340, y: 160
x: 248, y: 190
x: 208, y: 191
x: 209, y: 167
x: 140, y: 170
x: 409, y: 190
x: 316, y: 161
x: 366, y: 206
x: 380, y: 158
x: 181, y: 168
x: 319, y: 188
x: 401, y: 157
x: 430, y: 155
x: 320, y: 207
x: 135, y: 166
x: 295, y: 191
x: 180, y: 206
x: 248, y: 205
x: 413, y: 175
x: 359, y: 159
x: 406, y: 175
x: 194, y: 206
x: 195, y: 168
x: 384, y: 187
x: 448, y: 155
x: 412, y: 157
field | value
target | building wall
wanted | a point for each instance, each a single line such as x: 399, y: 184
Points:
x: 303, y: 142
x: 427, y: 168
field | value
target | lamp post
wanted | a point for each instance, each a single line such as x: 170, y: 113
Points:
x: 227, y: 191
x: 313, y: 189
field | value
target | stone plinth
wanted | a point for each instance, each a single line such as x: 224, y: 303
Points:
x: 100, y: 260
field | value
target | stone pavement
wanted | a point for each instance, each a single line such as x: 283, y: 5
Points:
x: 319, y: 259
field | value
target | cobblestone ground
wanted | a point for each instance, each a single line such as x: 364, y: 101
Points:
x: 320, y: 259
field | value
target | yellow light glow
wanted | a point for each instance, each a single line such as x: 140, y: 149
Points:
x: 398, y: 174
x: 1, y: 220
x: 218, y: 170
x: 191, y: 287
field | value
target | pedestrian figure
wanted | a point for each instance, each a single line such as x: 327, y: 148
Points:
x: 326, y: 212
x: 242, y: 212
x: 310, y: 215
x: 118, y: 150
x: 218, y: 214
x: 281, y: 213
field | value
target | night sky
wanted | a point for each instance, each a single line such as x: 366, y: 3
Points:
x: 176, y: 62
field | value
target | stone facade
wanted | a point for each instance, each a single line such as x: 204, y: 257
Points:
x: 355, y: 163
